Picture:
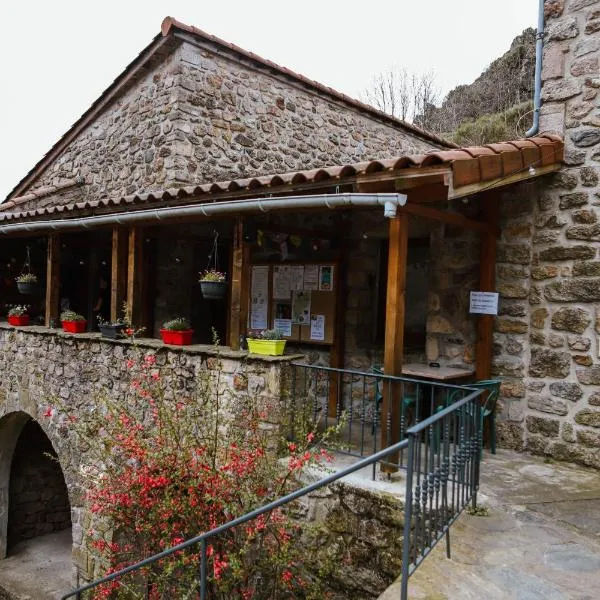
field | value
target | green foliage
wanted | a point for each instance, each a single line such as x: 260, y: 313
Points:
x: 71, y: 315
x: 177, y: 324
x: 478, y: 511
x: 507, y: 125
x: 26, y: 278
x: 18, y: 310
x: 265, y: 334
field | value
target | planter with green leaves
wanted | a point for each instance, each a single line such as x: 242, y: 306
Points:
x: 111, y: 330
x: 18, y: 316
x: 213, y: 284
x: 177, y: 332
x: 27, y: 283
x: 269, y: 342
x: 73, y: 322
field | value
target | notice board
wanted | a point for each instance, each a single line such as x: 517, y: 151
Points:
x: 298, y: 298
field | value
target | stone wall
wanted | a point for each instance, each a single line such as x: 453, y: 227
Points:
x: 37, y: 363
x: 203, y: 115
x: 547, y: 336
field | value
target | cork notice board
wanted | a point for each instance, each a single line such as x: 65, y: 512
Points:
x: 300, y: 300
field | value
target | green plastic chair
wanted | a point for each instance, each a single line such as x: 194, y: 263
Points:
x: 488, y: 406
x: 408, y: 400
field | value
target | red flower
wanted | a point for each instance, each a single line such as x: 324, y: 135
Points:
x: 48, y: 412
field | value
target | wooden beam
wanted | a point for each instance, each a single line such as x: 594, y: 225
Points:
x: 435, y: 214
x: 239, y: 296
x: 481, y: 186
x: 394, y: 329
x: 487, y: 282
x: 118, y: 274
x: 135, y: 276
x: 53, y: 281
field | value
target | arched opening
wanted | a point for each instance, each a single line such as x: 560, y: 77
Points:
x: 36, y: 538
x: 38, y: 501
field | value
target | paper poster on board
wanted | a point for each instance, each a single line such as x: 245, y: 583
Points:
x: 317, y: 328
x: 259, y: 301
x: 284, y: 326
x: 297, y: 277
x: 301, y: 308
x: 281, y: 282
x: 311, y: 277
x: 326, y: 278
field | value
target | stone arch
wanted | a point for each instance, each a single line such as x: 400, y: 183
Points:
x: 14, y: 456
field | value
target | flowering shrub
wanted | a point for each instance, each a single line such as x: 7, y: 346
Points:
x: 163, y: 467
x: 212, y: 275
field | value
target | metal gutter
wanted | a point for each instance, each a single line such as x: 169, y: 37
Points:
x: 539, y: 54
x: 390, y: 202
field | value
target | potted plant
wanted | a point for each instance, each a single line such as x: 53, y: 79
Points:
x: 17, y: 315
x: 73, y: 322
x: 177, y: 332
x: 213, y: 284
x: 269, y: 342
x: 109, y: 329
x: 27, y: 283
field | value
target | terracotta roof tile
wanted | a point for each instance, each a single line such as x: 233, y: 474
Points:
x: 468, y: 166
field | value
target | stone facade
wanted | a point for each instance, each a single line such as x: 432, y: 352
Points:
x: 548, y: 333
x: 202, y: 114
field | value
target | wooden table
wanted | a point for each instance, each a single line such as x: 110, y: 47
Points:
x: 424, y: 371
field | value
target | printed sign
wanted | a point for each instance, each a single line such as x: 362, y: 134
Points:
x: 484, y: 303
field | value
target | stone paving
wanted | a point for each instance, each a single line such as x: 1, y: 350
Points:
x: 541, y: 538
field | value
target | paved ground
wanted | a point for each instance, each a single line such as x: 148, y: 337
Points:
x: 541, y: 539
x: 38, y: 569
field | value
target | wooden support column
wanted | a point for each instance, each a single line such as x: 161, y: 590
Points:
x: 135, y: 277
x: 118, y: 275
x: 53, y: 281
x: 394, y: 330
x: 240, y: 279
x: 336, y: 357
x: 487, y: 283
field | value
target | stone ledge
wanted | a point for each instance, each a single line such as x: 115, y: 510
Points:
x: 154, y: 344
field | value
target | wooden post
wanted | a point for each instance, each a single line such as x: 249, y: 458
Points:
x: 240, y: 278
x: 394, y: 330
x: 53, y: 281
x: 118, y: 276
x: 487, y: 282
x: 135, y: 277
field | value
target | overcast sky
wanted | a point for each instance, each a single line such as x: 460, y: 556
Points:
x: 57, y: 56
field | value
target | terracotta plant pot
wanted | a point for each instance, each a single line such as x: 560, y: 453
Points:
x: 19, y: 321
x: 74, y: 326
x: 213, y: 290
x: 266, y: 347
x: 177, y: 338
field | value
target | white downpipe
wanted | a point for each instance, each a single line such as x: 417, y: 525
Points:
x: 390, y: 202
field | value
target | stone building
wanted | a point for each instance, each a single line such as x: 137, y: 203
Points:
x: 199, y: 144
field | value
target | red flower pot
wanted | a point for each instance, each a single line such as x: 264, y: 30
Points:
x: 19, y: 321
x: 177, y: 338
x: 74, y: 326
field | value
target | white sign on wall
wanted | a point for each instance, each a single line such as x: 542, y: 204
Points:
x: 484, y: 303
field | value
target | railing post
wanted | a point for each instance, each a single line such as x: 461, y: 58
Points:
x: 408, y: 499
x: 203, y: 570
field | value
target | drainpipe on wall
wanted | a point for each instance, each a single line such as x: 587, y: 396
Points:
x: 539, y: 51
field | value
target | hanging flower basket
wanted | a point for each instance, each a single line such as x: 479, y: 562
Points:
x: 18, y: 321
x: 213, y: 290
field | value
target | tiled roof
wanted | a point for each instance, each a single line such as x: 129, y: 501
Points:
x: 163, y: 42
x: 467, y: 165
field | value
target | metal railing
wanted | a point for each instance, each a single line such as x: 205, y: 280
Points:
x: 442, y: 476
x: 353, y: 400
